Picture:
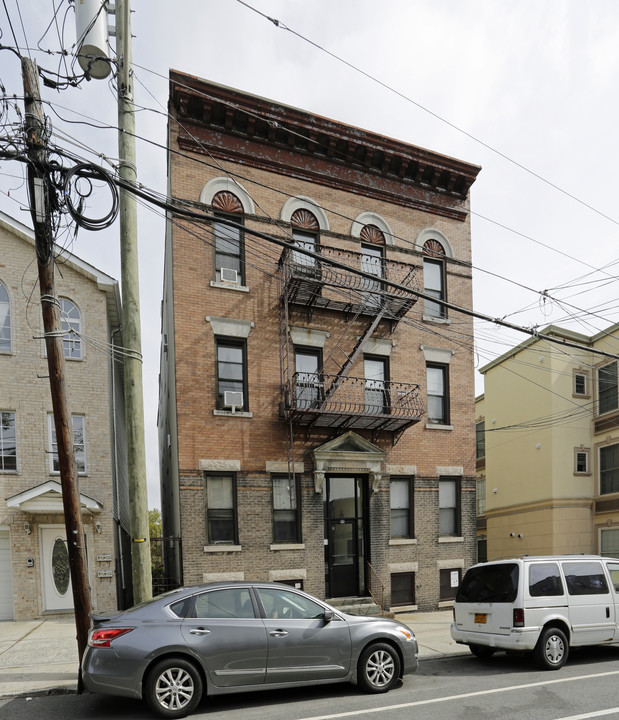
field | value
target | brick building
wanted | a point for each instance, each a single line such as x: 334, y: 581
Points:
x: 34, y: 573
x: 316, y: 417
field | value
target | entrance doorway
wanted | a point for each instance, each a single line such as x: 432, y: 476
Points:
x: 55, y: 570
x: 346, y: 551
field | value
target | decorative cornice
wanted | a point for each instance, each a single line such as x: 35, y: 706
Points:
x: 250, y: 130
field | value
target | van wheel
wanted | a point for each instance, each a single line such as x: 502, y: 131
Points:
x: 552, y: 649
x: 482, y: 651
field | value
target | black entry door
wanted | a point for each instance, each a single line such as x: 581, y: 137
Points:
x: 346, y: 536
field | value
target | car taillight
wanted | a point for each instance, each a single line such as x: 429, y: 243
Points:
x: 104, y: 638
x: 518, y: 617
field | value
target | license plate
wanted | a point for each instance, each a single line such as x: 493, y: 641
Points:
x: 480, y: 618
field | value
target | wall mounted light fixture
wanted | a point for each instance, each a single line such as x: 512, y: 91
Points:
x: 98, y: 527
x: 27, y: 528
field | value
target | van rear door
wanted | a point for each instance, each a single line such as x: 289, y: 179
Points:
x: 486, y: 597
x: 591, y: 602
x: 613, y: 570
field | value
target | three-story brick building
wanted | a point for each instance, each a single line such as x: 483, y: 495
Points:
x: 316, y: 416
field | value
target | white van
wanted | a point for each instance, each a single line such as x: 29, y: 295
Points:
x: 541, y: 604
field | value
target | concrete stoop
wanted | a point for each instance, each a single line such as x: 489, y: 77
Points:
x: 355, y: 605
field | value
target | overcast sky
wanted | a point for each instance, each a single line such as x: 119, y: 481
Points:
x: 523, y: 88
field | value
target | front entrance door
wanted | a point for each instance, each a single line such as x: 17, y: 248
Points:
x: 55, y: 570
x: 346, y: 536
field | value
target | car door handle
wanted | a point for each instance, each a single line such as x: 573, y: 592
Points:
x: 278, y: 633
x: 607, y: 612
x: 199, y: 631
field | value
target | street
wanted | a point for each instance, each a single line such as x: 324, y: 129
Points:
x: 456, y: 687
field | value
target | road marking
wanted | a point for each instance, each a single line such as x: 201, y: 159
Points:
x: 417, y: 703
x: 599, y: 713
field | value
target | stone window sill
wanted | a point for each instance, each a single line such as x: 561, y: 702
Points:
x: 222, y: 548
x: 436, y: 426
x: 449, y: 539
x: 287, y: 546
x: 229, y: 413
x: 229, y: 286
x: 403, y: 541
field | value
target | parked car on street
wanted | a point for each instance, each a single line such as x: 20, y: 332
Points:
x: 541, y: 604
x: 233, y: 637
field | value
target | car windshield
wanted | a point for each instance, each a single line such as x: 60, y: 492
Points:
x: 489, y: 583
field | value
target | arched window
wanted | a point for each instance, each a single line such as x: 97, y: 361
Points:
x: 229, y: 241
x: 434, y: 279
x: 71, y: 326
x: 5, y: 320
x: 305, y: 229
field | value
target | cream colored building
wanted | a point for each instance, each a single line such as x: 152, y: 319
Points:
x: 550, y: 469
x: 34, y: 573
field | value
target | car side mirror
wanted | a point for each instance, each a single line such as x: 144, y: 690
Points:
x: 329, y: 615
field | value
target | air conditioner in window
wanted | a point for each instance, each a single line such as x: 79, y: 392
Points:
x: 229, y: 275
x: 233, y: 400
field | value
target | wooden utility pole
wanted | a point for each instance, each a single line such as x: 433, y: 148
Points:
x: 38, y: 183
x: 134, y: 399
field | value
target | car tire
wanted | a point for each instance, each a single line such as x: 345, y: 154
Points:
x: 552, y: 649
x: 173, y: 688
x: 379, y: 668
x: 482, y: 651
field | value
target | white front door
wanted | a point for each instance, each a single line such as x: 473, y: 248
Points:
x: 6, y: 577
x: 57, y: 589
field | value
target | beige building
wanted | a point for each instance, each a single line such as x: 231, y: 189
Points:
x: 549, y: 467
x: 34, y: 572
x: 315, y: 424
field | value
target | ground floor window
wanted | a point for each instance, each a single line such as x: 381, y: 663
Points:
x: 609, y: 542
x: 450, y: 582
x: 402, y: 589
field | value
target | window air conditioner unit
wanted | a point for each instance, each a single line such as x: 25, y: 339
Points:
x: 233, y: 399
x: 229, y: 275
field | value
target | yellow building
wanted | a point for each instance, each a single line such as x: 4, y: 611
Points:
x: 549, y: 463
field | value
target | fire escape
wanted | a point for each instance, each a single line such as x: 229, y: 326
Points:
x: 332, y: 399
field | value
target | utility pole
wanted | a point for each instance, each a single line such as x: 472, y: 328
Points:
x: 38, y: 183
x: 134, y: 401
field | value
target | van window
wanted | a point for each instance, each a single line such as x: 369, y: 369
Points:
x: 613, y: 569
x: 585, y: 578
x: 545, y: 580
x: 489, y: 583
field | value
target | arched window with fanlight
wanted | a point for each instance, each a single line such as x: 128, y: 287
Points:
x: 5, y: 319
x: 305, y: 229
x: 229, y: 240
x: 71, y: 326
x: 373, y: 262
x: 434, y: 279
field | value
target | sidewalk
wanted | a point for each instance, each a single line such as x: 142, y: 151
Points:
x: 40, y: 656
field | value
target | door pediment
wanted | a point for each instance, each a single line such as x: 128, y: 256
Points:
x: 348, y: 453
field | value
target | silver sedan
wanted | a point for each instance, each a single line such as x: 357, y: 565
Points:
x: 232, y: 637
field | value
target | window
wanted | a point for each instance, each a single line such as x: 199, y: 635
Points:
x: 284, y: 604
x: 449, y: 507
x: 286, y: 525
x: 480, y: 439
x: 545, y: 580
x: 221, y: 509
x: 438, y: 394
x: 373, y: 262
x: 613, y: 571
x: 607, y: 388
x: 581, y: 383
x: 581, y: 461
x: 308, y: 381
x: 402, y: 589
x: 376, y: 376
x: 434, y: 286
x: 434, y: 279
x: 79, y: 444
x: 228, y: 603
x: 585, y: 578
x: 609, y: 542
x: 8, y: 441
x: 229, y: 241
x: 71, y: 326
x: 5, y: 320
x: 609, y: 469
x: 490, y: 583
x: 449, y: 584
x: 402, y: 494
x: 231, y: 374
x: 305, y: 229
x: 481, y: 496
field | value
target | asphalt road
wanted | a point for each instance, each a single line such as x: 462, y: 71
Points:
x: 459, y: 687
